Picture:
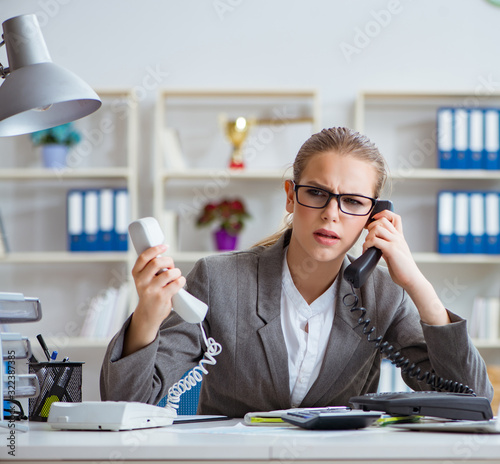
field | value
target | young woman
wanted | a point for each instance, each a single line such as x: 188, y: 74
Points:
x: 277, y: 309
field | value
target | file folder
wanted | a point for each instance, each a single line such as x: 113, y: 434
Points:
x: 445, y: 137
x: 491, y: 121
x: 121, y: 219
x: 445, y: 222
x: 106, y: 220
x: 460, y: 139
x: 477, y: 223
x: 461, y: 223
x: 476, y: 146
x: 74, y: 213
x: 90, y: 219
x: 492, y: 222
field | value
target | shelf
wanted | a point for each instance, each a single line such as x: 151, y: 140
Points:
x: 63, y: 257
x: 237, y: 93
x: 75, y: 342
x: 485, y: 344
x: 423, y: 94
x: 445, y: 174
x: 203, y: 174
x: 438, y: 258
x: 66, y: 173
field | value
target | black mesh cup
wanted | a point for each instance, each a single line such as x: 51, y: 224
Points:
x: 59, y: 381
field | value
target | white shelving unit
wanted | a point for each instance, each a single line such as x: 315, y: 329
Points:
x: 33, y: 211
x: 193, y: 169
x: 403, y: 125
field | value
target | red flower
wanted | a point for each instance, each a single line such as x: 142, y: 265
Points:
x: 229, y: 214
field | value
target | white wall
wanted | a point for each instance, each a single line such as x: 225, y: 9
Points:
x: 336, y: 46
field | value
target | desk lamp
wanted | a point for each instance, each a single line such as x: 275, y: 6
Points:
x: 36, y: 93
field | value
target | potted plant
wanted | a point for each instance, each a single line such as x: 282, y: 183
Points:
x: 229, y: 215
x: 55, y: 143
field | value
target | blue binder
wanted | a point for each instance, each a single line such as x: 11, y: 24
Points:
x: 74, y: 220
x: 121, y: 220
x: 476, y: 139
x: 106, y: 220
x: 446, y: 208
x: 491, y: 139
x: 477, y: 222
x: 90, y: 219
x: 492, y: 222
x: 460, y: 152
x: 445, y: 138
x: 461, y: 229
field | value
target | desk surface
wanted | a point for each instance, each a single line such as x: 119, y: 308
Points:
x: 231, y: 441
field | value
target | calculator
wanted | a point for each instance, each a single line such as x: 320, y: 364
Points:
x: 331, y: 420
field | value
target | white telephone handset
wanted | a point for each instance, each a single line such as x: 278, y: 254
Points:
x: 146, y: 233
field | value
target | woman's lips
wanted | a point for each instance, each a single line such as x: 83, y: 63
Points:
x: 326, y: 237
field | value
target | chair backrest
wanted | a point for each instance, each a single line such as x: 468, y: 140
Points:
x: 188, y: 403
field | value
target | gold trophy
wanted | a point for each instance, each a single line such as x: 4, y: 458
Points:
x: 236, y: 132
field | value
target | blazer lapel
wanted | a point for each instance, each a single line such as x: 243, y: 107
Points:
x: 268, y: 309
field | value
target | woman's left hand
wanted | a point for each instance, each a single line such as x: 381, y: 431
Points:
x: 386, y: 233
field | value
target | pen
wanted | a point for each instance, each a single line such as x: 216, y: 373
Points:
x: 53, y: 356
x: 44, y: 346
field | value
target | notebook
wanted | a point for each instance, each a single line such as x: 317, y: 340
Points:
x: 464, y: 426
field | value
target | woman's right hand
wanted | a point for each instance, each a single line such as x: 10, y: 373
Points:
x: 157, y: 280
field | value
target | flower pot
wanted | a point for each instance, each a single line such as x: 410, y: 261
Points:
x: 225, y: 241
x: 54, y: 156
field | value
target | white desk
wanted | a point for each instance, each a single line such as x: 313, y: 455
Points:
x: 231, y: 442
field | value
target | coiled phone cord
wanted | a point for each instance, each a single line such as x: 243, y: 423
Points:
x: 195, y: 375
x: 396, y: 358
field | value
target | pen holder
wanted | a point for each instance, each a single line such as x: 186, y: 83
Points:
x: 59, y: 381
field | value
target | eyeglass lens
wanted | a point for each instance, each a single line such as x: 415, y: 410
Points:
x: 318, y: 198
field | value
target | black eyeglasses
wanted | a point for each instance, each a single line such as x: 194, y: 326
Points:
x: 315, y: 197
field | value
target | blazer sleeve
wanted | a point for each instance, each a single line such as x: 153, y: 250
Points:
x: 147, y: 374
x: 444, y: 351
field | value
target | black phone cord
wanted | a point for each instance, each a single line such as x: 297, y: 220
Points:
x: 396, y: 358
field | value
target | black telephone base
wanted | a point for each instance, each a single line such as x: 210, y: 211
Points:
x: 448, y: 405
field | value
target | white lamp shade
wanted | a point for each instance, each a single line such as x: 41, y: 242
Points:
x: 38, y: 94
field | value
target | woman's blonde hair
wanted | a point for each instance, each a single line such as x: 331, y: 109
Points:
x: 344, y: 142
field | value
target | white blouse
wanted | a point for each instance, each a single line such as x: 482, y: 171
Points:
x: 306, y: 349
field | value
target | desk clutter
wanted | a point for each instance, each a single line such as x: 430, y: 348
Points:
x: 16, y: 308
x: 46, y: 383
x: 59, y: 382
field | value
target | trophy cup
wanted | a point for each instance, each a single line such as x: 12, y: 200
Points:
x: 236, y: 132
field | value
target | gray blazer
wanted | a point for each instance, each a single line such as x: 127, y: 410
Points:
x: 243, y: 292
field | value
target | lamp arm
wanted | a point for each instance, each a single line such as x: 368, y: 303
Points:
x: 4, y: 72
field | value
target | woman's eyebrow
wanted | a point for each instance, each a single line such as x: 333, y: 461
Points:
x: 313, y: 183
x: 317, y: 184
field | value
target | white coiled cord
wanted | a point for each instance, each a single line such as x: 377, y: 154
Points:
x: 194, y: 376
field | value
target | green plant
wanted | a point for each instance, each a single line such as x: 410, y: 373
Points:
x: 64, y: 134
x: 230, y: 215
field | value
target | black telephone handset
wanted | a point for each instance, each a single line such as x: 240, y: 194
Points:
x: 358, y: 271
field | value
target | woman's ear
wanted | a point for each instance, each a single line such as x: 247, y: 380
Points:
x: 290, y: 199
